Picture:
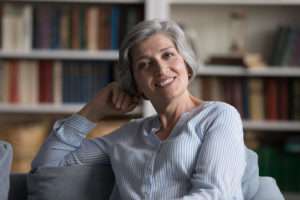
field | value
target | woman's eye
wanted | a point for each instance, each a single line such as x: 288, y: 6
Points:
x: 168, y: 55
x: 142, y: 65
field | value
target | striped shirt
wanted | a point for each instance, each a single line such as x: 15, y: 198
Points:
x: 203, y: 157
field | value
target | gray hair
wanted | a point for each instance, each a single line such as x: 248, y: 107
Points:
x: 142, y: 31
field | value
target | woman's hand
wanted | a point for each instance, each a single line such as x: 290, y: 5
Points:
x: 109, y: 100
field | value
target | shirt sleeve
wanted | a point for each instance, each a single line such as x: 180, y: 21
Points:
x: 67, y: 145
x: 221, y: 160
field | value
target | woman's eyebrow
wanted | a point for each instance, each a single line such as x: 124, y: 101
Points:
x: 166, y: 48
x: 161, y: 50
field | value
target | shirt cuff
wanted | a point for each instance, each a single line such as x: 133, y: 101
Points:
x: 80, y: 123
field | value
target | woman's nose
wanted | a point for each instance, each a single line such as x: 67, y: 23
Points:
x: 160, y: 66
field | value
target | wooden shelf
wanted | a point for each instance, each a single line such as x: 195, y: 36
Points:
x: 49, y: 109
x: 61, y: 54
x: 283, y: 126
x: 79, y: 1
x: 235, y: 2
x: 291, y: 195
x: 274, y: 71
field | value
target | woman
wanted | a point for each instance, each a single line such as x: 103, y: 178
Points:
x: 190, y: 150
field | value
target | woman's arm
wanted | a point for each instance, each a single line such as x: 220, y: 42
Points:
x: 65, y: 142
x: 221, y: 161
x: 67, y: 145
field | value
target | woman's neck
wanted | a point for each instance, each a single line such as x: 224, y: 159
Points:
x: 170, y: 113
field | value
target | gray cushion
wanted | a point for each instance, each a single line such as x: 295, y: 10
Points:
x: 18, y: 187
x: 250, y: 180
x: 5, y: 164
x: 75, y: 182
x: 268, y: 190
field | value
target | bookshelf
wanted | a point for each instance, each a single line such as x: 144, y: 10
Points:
x: 108, y: 55
x: 276, y: 71
x: 212, y: 28
x: 34, y: 53
x: 28, y: 49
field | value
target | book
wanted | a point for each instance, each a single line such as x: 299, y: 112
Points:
x: 57, y: 83
x: 16, y: 27
x: 45, y: 81
x: 283, y: 98
x: 104, y: 20
x: 256, y: 99
x: 65, y: 28
x: 43, y: 16
x: 92, y: 22
x: 115, y: 27
x: 271, y: 97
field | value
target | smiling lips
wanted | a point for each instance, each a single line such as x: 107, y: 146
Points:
x: 165, y: 82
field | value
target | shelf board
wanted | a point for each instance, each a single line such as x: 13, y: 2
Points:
x: 49, y: 109
x: 291, y: 195
x: 79, y: 1
x: 235, y: 2
x: 61, y: 54
x: 274, y: 71
x: 272, y: 125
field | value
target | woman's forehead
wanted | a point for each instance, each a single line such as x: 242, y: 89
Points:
x: 152, y: 44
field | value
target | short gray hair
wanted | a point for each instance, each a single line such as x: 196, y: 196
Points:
x: 142, y: 31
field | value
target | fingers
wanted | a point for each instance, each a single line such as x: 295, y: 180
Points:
x: 123, y: 102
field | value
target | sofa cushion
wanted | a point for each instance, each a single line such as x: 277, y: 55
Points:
x: 74, y: 182
x: 5, y: 164
x: 18, y: 187
x: 250, y: 180
x: 268, y: 190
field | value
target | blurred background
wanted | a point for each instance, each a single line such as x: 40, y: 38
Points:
x: 55, y: 55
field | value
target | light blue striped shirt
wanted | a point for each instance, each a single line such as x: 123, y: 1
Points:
x: 203, y: 158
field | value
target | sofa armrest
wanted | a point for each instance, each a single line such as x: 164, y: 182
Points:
x: 18, y: 187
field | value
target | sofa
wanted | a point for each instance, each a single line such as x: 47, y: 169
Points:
x: 91, y: 183
x: 96, y: 182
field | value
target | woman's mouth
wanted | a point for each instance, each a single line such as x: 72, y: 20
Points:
x: 165, y: 82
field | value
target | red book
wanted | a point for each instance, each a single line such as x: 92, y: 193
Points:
x: 45, y: 81
x: 271, y: 100
x: 205, y: 88
x: 237, y: 97
x: 75, y: 16
x: 13, y: 81
x: 104, y: 15
x: 283, y: 103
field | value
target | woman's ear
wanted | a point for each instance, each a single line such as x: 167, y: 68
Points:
x: 189, y: 71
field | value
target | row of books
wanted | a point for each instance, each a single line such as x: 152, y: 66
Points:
x: 33, y: 82
x: 66, y: 26
x: 256, y: 98
x: 286, y: 47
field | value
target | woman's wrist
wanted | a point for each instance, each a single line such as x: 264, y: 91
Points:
x: 91, y: 114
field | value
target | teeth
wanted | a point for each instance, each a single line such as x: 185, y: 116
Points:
x: 165, y: 82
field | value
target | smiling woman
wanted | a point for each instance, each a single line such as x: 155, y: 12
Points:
x: 192, y: 149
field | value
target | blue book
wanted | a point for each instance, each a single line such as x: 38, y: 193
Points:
x: 65, y: 86
x: 55, y: 27
x: 245, y: 98
x: 115, y: 27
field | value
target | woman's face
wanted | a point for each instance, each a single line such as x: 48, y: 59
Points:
x: 159, y: 70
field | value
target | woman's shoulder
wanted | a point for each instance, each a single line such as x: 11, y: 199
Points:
x: 210, y: 111
x: 214, y: 114
x: 217, y: 107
